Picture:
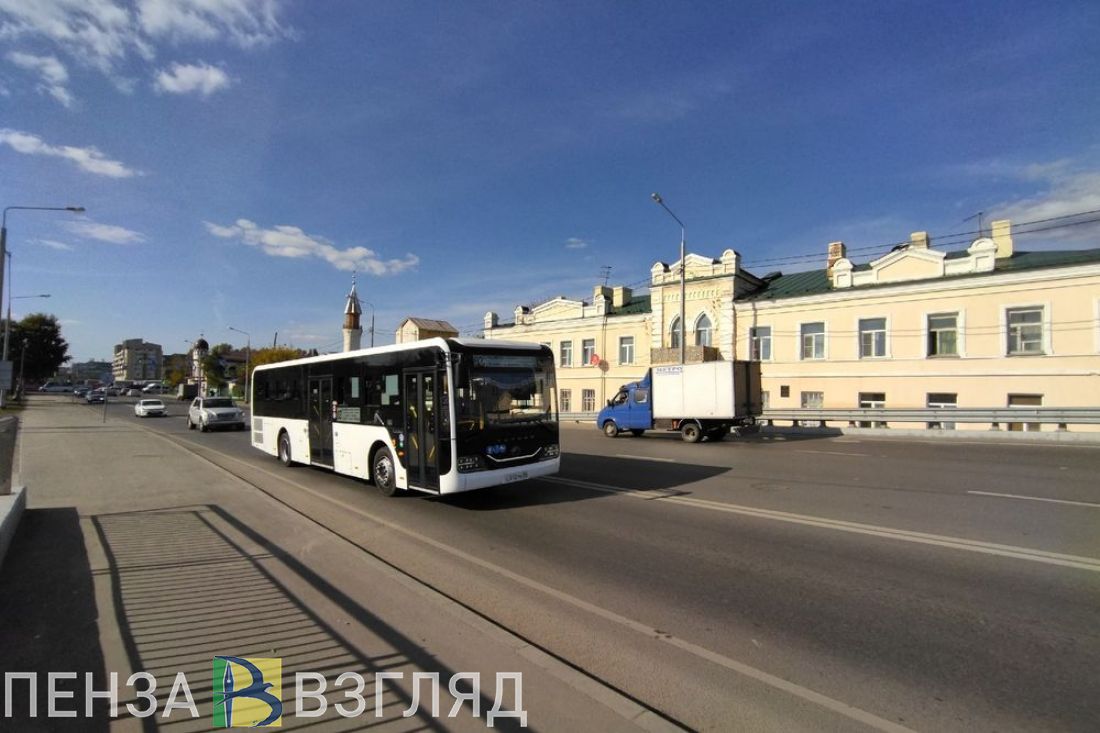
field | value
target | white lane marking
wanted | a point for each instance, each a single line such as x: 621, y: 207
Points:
x: 956, y: 543
x: 805, y: 693
x: 645, y: 458
x: 1034, y: 498
x: 833, y: 452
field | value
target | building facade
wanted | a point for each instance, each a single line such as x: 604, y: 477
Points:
x: 135, y: 359
x: 985, y: 327
x: 415, y: 329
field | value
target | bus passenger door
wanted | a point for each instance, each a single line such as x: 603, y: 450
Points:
x: 421, y: 431
x: 320, y: 421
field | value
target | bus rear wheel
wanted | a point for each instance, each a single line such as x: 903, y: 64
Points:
x: 383, y: 472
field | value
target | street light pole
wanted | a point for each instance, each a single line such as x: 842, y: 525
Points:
x: 247, y: 364
x: 371, y: 323
x: 5, y: 257
x: 683, y: 325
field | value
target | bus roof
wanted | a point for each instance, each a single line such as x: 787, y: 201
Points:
x: 441, y: 343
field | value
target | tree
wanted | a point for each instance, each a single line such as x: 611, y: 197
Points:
x: 274, y: 355
x: 213, y: 371
x: 45, y: 350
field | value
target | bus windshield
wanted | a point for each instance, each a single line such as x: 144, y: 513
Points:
x: 505, y: 389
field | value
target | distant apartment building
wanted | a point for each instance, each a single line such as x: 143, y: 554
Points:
x: 100, y: 371
x: 136, y: 359
x: 984, y: 327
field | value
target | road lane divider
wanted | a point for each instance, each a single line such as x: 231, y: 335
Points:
x: 903, y: 535
x: 1035, y: 498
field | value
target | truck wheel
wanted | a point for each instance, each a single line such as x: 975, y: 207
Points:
x: 610, y: 429
x: 637, y: 432
x: 690, y: 432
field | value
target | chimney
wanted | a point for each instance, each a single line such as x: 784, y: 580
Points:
x: 837, y: 251
x: 1002, y: 237
x: 492, y: 320
x: 601, y: 290
x: 620, y: 296
x: 918, y: 240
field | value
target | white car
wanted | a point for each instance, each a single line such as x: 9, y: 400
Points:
x: 146, y: 408
x: 206, y: 413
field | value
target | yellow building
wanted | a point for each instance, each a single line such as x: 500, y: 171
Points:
x: 986, y: 327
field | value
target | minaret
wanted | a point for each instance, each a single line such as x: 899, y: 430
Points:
x: 353, y: 333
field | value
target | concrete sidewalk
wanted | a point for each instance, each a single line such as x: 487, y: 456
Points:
x: 137, y: 555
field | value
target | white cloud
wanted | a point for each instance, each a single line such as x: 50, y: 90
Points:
x: 1066, y: 195
x: 186, y: 78
x: 52, y: 74
x: 105, y: 232
x: 54, y: 244
x: 575, y: 243
x: 104, y: 34
x: 88, y: 159
x: 291, y: 241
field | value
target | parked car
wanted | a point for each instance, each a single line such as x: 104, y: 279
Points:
x: 55, y: 387
x: 214, y: 412
x: 96, y: 395
x: 133, y: 392
x: 81, y: 390
x: 154, y: 389
x: 150, y: 408
x: 111, y: 391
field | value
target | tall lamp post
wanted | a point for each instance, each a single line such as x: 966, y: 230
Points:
x: 247, y: 363
x: 371, y: 323
x: 683, y: 325
x: 4, y: 254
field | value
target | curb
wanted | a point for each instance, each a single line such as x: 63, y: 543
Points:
x: 11, y: 509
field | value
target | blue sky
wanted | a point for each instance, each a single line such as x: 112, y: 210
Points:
x: 239, y: 158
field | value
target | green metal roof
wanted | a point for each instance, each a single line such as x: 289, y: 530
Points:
x: 637, y: 304
x: 814, y: 282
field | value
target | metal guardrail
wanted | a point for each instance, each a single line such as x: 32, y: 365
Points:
x: 1061, y: 416
x: 9, y: 429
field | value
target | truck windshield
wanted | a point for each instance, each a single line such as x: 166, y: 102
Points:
x: 504, y: 389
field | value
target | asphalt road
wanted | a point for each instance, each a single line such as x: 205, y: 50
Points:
x: 832, y: 583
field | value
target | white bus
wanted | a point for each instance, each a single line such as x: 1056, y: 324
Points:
x: 439, y: 415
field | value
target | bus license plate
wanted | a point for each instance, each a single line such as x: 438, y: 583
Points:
x: 517, y: 476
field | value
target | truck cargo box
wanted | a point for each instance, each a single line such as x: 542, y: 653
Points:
x: 712, y: 390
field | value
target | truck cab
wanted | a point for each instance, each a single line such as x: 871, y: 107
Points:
x: 630, y: 409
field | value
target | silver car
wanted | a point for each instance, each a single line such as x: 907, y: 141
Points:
x: 206, y: 413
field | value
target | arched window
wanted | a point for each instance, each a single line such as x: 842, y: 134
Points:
x: 702, y: 331
x: 674, y: 333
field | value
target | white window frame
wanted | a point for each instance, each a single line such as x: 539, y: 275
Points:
x: 586, y: 354
x: 885, y: 338
x: 824, y: 340
x: 672, y: 331
x: 562, y: 353
x: 754, y: 337
x: 710, y: 329
x: 565, y: 396
x: 622, y: 343
x: 584, y: 396
x: 1045, y: 323
x: 960, y: 333
x: 802, y: 398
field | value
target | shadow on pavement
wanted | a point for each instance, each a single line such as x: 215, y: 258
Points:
x: 185, y: 590
x: 628, y: 474
x: 48, y: 616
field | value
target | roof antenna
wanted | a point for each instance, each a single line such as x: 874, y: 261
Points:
x: 605, y: 271
x: 977, y: 216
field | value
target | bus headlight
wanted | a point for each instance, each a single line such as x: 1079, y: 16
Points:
x: 550, y: 451
x: 471, y: 463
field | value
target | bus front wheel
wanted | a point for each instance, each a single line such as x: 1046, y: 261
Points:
x: 383, y: 472
x: 284, y: 449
